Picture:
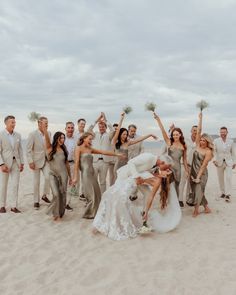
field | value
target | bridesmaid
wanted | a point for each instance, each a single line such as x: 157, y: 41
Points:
x: 199, y: 175
x: 84, y: 162
x: 176, y: 149
x: 121, y: 144
x: 59, y: 172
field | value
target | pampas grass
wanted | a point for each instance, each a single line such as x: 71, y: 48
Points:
x: 202, y: 105
x: 33, y: 116
x: 150, y: 106
x: 127, y: 110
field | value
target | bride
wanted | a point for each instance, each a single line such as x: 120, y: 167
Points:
x: 119, y: 218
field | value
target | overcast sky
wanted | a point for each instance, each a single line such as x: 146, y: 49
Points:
x: 70, y: 58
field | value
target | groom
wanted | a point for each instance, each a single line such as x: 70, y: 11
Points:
x: 143, y: 163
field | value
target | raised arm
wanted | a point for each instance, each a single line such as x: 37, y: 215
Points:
x: 109, y: 125
x: 199, y: 129
x: 164, y: 133
x: 141, y: 138
x: 90, y: 129
x: 47, y: 137
x: 114, y: 139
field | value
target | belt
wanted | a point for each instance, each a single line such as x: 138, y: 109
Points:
x: 100, y: 158
x: 71, y: 161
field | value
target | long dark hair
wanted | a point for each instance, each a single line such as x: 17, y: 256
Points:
x: 164, y: 193
x: 56, y: 136
x: 181, y: 139
x: 119, y: 143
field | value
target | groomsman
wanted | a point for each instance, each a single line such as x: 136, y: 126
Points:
x: 81, y: 128
x: 225, y: 161
x: 135, y: 149
x: 36, y: 156
x: 102, y: 141
x: 11, y: 163
x: 70, y: 143
x: 184, y: 181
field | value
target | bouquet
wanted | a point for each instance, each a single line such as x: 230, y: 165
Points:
x: 150, y: 106
x: 202, y: 105
x: 145, y: 229
x: 74, y: 191
x: 33, y: 116
x: 127, y: 110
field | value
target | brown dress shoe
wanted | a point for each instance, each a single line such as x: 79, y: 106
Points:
x: 3, y: 210
x: 15, y: 210
x: 45, y: 199
x: 36, y: 206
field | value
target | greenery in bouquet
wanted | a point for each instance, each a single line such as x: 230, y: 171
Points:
x: 33, y: 116
x: 150, y: 106
x: 202, y: 105
x: 127, y: 109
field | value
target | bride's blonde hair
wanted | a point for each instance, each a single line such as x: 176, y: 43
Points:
x: 209, y: 141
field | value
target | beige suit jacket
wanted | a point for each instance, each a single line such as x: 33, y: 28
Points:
x: 8, y: 152
x: 35, y: 149
x: 225, y: 151
x: 102, y: 142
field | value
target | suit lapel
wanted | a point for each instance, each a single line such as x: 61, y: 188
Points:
x: 8, y: 140
x: 40, y: 138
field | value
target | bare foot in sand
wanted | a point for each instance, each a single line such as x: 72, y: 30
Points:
x: 207, y: 210
x: 195, y: 213
x: 94, y: 231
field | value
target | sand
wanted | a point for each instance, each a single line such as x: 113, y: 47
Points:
x: 39, y: 256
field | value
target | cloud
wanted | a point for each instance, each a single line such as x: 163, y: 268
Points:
x: 70, y: 59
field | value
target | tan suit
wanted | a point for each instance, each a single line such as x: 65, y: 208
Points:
x: 36, y: 153
x: 140, y: 164
x: 12, y: 157
x: 101, y: 163
x: 135, y: 149
x: 225, y: 157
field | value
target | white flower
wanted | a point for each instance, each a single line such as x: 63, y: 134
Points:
x: 145, y: 230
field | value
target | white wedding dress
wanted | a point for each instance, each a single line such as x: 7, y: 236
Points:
x: 119, y: 218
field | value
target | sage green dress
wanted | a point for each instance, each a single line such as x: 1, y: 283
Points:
x: 197, y: 190
x: 91, y: 187
x: 176, y: 155
x: 58, y: 179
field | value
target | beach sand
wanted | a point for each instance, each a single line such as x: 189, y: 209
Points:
x: 39, y: 256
